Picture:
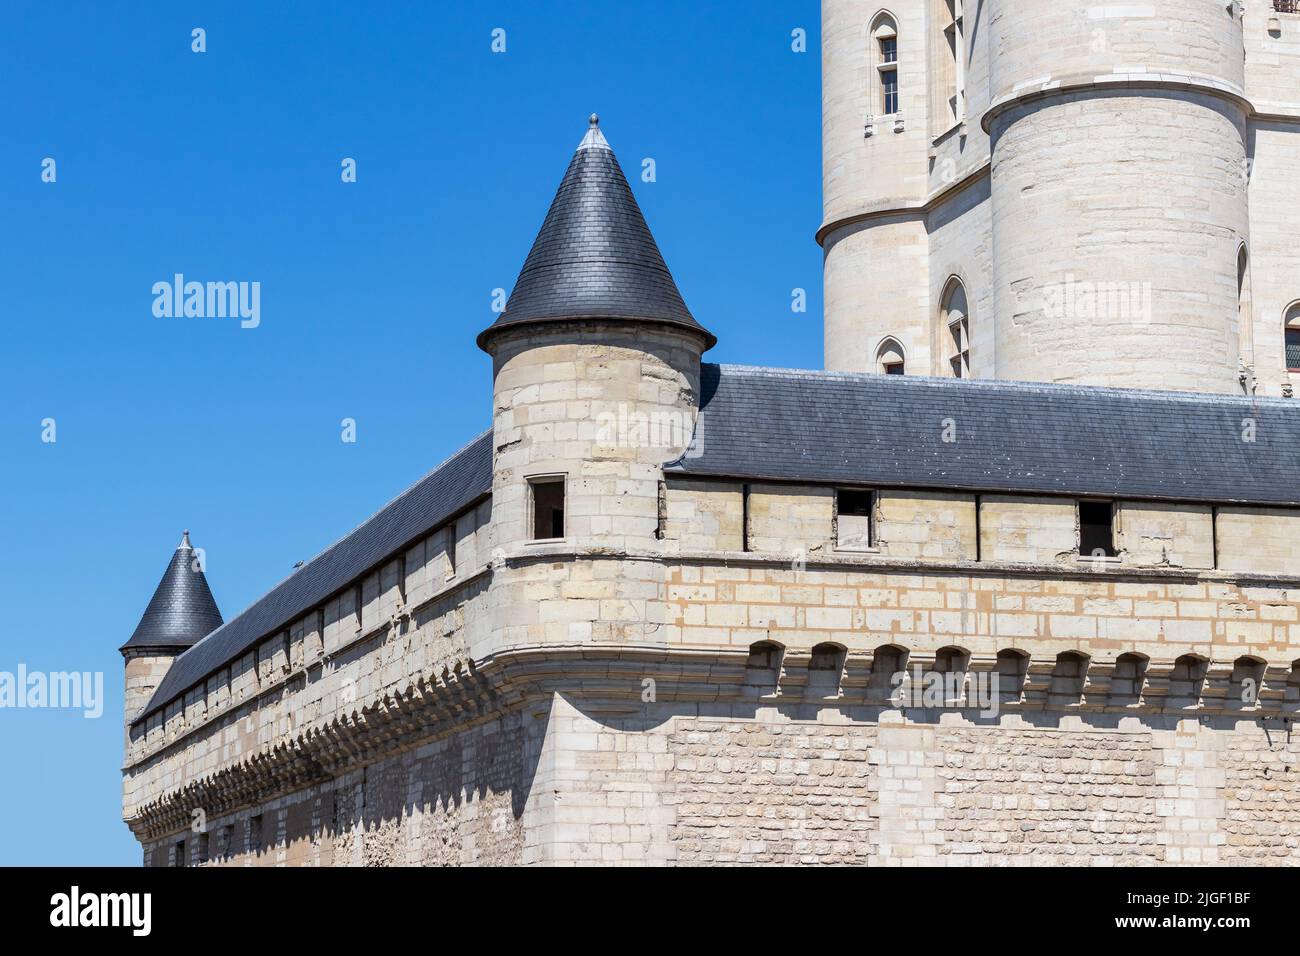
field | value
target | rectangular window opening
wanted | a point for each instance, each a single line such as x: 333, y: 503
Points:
x: 854, y: 525
x: 889, y: 84
x: 1096, y: 529
x: 548, y: 508
x: 255, y: 835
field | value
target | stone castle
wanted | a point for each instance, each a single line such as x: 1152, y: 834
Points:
x: 1015, y: 580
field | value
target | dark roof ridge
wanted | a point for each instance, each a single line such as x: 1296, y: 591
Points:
x: 1059, y: 388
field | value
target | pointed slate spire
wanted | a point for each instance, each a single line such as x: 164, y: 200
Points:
x: 594, y: 257
x: 182, y: 611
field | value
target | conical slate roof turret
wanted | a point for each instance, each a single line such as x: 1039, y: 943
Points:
x: 594, y: 257
x: 182, y: 611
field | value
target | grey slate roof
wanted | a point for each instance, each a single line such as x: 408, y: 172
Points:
x: 887, y: 430
x: 594, y: 257
x: 181, y: 611
x: 450, y: 488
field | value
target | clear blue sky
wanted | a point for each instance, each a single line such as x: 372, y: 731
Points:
x: 226, y: 166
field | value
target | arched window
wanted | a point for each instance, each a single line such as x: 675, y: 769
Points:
x: 955, y: 313
x: 951, y: 81
x: 1292, y: 332
x: 890, y: 358
x: 884, y: 40
x: 1245, y: 324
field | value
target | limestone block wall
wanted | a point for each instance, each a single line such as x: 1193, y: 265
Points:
x: 875, y: 272
x: 926, y: 525
x: 790, y: 519
x: 603, y: 406
x: 704, y: 515
x: 456, y: 801
x: 1156, y: 535
x: 1161, y: 616
x: 587, y: 780
x: 1251, y: 539
x: 957, y: 151
x: 1135, y: 121
x: 1030, y: 530
x: 738, y: 784
x: 1274, y: 263
x: 1272, y: 57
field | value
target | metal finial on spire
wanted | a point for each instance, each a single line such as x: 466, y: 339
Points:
x: 594, y: 139
x: 185, y: 540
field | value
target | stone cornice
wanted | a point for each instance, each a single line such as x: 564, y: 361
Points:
x: 905, y: 209
x: 1067, y: 85
x: 832, y: 560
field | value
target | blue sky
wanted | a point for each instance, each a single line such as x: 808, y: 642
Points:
x: 225, y: 166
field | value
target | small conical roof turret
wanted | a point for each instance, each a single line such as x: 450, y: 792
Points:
x: 182, y: 611
x: 594, y: 257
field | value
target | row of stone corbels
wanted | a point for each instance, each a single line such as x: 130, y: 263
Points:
x: 1072, y: 680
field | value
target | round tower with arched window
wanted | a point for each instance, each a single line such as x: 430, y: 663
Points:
x: 875, y: 135
x: 1037, y: 191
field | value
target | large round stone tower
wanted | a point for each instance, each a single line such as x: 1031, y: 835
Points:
x: 1118, y: 191
x: 1077, y: 171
